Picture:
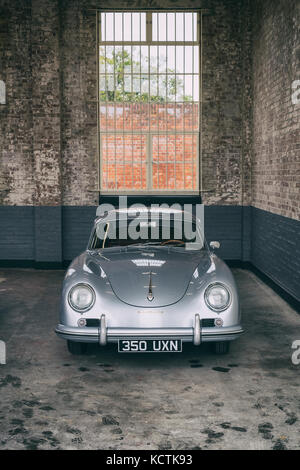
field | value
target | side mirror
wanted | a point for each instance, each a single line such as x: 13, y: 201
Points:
x: 214, y: 245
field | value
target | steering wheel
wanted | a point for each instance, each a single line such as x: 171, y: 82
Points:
x: 172, y: 241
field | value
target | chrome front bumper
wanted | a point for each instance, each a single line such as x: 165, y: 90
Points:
x: 104, y: 335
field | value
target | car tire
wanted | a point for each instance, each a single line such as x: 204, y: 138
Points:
x: 221, y: 347
x: 76, y: 347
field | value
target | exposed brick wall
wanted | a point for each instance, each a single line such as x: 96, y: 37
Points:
x: 275, y: 160
x: 49, y: 125
x: 46, y: 113
x: 226, y: 102
x: 276, y: 64
x: 124, y: 158
x: 153, y: 117
x: 16, y: 152
x: 79, y: 107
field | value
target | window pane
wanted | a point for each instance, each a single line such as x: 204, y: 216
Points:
x: 136, y: 59
x: 107, y: 59
x: 174, y: 162
x: 144, y: 88
x: 162, y: 88
x: 118, y: 26
x: 136, y: 27
x: 195, y: 26
x: 174, y: 26
x: 154, y: 26
x: 143, y: 26
x: 162, y: 54
x: 179, y: 59
x: 127, y: 84
x: 171, y: 58
x: 188, y: 59
x: 127, y: 59
x: 136, y: 84
x: 188, y: 27
x: 123, y: 161
x: 188, y: 88
x: 123, y: 26
x: 179, y: 88
x: 154, y: 59
x: 127, y: 26
x: 108, y: 20
x: 162, y: 27
x: 171, y: 87
x: 171, y: 26
x: 179, y: 27
x: 196, y: 59
x: 196, y: 88
x: 144, y: 59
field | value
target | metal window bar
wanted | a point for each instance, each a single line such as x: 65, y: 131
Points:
x: 184, y: 122
x: 192, y: 159
x: 176, y: 102
x: 131, y: 107
x: 157, y: 107
x: 140, y: 106
x: 166, y: 105
x: 123, y: 105
x: 114, y: 95
x: 106, y: 100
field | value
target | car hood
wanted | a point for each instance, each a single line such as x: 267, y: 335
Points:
x: 128, y: 273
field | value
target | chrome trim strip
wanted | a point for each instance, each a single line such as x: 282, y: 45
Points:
x: 102, y: 331
x: 92, y: 334
x: 197, y: 330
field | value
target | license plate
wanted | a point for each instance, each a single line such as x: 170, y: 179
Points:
x: 149, y: 345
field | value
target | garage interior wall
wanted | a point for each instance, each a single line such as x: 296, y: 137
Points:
x: 48, y: 130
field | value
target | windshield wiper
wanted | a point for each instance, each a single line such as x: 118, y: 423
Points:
x: 145, y: 244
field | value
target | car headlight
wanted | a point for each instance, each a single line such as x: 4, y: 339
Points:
x: 217, y: 297
x: 81, y: 297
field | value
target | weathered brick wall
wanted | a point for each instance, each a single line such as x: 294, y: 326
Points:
x: 48, y: 131
x: 124, y: 158
x: 275, y: 163
x: 79, y: 108
x: 227, y: 101
x: 16, y: 149
x: 276, y: 64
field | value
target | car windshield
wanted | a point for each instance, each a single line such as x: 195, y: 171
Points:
x: 165, y: 230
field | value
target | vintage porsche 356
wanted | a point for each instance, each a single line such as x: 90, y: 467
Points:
x: 149, y: 294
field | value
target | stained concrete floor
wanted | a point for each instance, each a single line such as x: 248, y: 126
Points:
x: 249, y: 399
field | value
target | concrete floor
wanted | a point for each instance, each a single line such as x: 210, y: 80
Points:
x: 249, y: 399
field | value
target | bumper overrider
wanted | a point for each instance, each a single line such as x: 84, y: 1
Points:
x: 104, y: 334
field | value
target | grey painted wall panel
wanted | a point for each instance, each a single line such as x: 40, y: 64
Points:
x: 77, y: 225
x: 276, y: 250
x: 48, y: 233
x: 17, y: 232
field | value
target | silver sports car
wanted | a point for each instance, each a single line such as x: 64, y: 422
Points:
x: 142, y: 283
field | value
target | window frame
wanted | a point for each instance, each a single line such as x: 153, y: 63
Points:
x: 150, y: 133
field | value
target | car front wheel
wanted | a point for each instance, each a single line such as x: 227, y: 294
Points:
x: 221, y: 347
x: 76, y: 348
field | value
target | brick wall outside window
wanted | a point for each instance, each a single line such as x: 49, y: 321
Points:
x: 172, y: 158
